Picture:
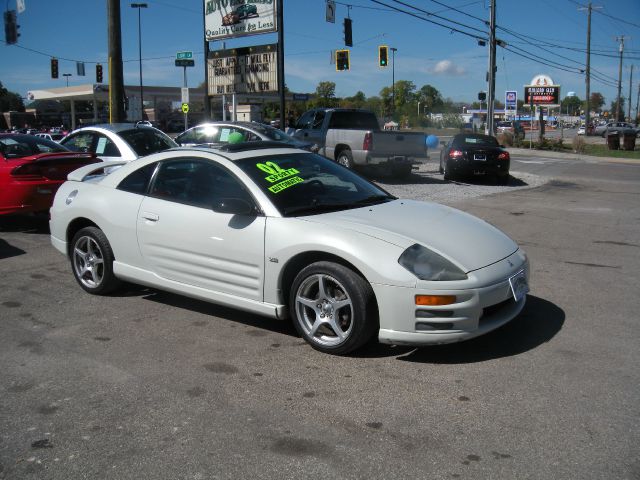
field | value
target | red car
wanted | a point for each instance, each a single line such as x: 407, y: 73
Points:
x: 32, y: 169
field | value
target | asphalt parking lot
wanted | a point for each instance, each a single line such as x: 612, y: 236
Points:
x: 146, y: 384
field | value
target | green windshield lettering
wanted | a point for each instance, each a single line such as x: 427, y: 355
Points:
x: 276, y: 173
x: 278, y: 187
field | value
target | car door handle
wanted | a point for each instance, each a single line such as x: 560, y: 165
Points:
x: 153, y: 217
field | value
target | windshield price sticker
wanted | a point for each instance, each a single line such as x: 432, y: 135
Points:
x: 277, y: 173
x: 278, y: 187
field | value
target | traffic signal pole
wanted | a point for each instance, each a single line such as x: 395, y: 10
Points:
x: 116, y: 80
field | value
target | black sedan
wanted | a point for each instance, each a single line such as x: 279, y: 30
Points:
x: 475, y: 154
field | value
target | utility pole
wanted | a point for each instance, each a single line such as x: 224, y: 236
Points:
x: 393, y: 80
x: 116, y: 81
x: 207, y: 103
x: 281, y: 82
x: 621, y: 40
x: 492, y: 70
x: 587, y: 80
x: 630, y: 101
x: 638, y: 103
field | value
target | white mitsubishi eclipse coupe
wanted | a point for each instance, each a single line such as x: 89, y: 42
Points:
x: 284, y: 233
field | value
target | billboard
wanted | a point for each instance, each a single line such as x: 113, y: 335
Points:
x: 243, y: 70
x: 238, y: 18
x: 547, y: 95
x: 542, y: 91
x: 510, y: 102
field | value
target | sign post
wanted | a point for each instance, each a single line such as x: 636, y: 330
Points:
x: 184, y: 60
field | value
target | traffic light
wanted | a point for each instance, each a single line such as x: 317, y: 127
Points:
x: 54, y: 68
x: 482, y: 96
x: 383, y: 56
x: 342, y: 60
x: 11, y: 27
x: 98, y: 73
x: 348, y: 37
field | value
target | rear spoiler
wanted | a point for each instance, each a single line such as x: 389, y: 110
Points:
x: 82, y: 173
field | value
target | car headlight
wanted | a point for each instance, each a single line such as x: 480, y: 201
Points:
x: 428, y: 265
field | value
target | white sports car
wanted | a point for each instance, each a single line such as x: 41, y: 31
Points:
x: 290, y: 234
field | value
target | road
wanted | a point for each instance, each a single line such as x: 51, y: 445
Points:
x: 145, y: 384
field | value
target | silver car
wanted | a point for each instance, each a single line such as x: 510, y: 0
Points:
x: 217, y: 134
x: 286, y: 233
x: 118, y: 141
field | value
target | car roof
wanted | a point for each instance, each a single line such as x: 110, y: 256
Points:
x: 116, y: 127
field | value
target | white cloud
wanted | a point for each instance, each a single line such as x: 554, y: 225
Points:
x: 447, y: 67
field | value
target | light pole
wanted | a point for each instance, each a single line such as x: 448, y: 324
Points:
x: 140, y: 6
x: 393, y: 80
x: 66, y: 75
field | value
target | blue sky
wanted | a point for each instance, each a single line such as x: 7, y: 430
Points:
x: 553, y: 31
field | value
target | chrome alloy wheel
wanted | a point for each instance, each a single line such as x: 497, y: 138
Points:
x: 324, y: 310
x: 88, y: 262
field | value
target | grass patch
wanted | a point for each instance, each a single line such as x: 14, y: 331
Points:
x: 603, y: 151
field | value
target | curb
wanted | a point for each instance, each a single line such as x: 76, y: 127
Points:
x: 522, y: 152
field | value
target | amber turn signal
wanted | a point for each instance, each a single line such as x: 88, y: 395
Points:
x: 435, y: 300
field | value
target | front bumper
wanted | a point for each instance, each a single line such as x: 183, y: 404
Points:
x: 477, y: 310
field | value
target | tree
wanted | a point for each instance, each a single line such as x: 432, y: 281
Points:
x: 596, y: 101
x: 617, y: 108
x: 10, y: 101
x: 357, y: 101
x: 325, y: 95
x: 571, y: 105
x: 430, y: 97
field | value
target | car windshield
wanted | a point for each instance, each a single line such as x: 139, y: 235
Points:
x: 145, y: 141
x: 308, y: 184
x: 476, y: 140
x: 274, y: 134
x: 27, y: 145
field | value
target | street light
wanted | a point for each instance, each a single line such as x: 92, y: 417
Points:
x: 66, y: 75
x: 139, y: 6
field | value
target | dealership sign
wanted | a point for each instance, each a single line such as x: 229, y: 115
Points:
x: 238, y: 18
x: 243, y: 70
x: 542, y: 91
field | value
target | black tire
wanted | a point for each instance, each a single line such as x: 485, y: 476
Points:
x: 92, y: 261
x: 345, y: 158
x: 447, y: 171
x: 440, y: 169
x: 324, y: 290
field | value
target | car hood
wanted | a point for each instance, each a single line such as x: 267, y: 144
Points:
x: 468, y: 241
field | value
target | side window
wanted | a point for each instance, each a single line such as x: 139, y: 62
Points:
x: 105, y: 147
x: 305, y: 120
x: 138, y: 181
x: 197, y: 183
x: 80, y: 142
x: 318, y: 119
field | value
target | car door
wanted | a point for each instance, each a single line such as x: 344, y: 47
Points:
x: 183, y: 240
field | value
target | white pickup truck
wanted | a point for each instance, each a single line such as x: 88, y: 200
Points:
x: 353, y: 138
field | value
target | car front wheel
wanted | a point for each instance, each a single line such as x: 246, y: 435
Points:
x: 333, y: 308
x: 92, y: 261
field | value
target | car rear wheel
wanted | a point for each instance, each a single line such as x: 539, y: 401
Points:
x: 92, y: 261
x: 446, y: 171
x: 345, y: 158
x: 333, y: 308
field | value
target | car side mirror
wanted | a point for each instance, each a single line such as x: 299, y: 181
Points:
x: 234, y: 206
